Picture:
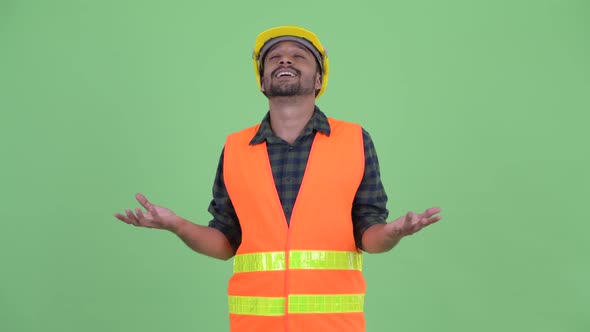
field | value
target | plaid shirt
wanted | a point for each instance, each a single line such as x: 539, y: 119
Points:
x: 288, y: 162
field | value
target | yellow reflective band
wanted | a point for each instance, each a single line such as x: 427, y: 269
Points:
x: 327, y: 260
x: 254, y: 305
x: 319, y: 304
x: 263, y: 261
x: 299, y: 259
x: 298, y: 304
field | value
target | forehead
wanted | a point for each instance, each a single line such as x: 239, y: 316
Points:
x: 288, y: 45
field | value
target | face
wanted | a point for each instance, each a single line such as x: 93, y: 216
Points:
x: 290, y: 69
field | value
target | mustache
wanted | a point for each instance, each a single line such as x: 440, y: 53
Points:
x: 274, y: 72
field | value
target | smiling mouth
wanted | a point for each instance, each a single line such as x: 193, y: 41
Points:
x: 285, y: 74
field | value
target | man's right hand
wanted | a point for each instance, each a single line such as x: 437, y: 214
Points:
x: 154, y: 217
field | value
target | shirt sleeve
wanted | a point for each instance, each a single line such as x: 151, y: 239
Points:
x: 222, y: 210
x: 370, y: 202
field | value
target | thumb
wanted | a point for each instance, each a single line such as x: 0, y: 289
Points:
x: 144, y: 201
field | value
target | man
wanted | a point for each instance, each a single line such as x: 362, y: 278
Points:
x: 296, y: 199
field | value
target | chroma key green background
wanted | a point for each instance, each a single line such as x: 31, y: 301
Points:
x: 480, y: 107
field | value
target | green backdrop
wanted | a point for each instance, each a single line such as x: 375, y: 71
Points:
x: 480, y: 107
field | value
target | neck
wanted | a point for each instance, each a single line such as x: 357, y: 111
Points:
x: 289, y: 115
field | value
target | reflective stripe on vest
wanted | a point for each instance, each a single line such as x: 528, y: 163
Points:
x: 298, y: 259
x: 298, y: 304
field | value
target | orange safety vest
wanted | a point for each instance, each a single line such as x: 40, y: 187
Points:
x: 305, y: 276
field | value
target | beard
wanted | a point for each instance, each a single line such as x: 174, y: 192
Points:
x: 289, y: 89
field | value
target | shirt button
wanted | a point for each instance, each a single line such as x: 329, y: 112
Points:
x: 287, y: 209
x: 288, y: 180
x: 290, y: 148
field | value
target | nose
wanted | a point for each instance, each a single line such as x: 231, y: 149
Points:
x: 285, y: 60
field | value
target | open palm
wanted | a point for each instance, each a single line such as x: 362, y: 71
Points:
x: 155, y: 216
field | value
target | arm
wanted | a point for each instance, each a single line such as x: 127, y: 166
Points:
x: 205, y: 240
x: 369, y: 207
x: 369, y: 210
x: 383, y: 237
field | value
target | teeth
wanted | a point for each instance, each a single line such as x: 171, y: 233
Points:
x: 285, y: 73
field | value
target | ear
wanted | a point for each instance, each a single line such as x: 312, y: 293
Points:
x: 262, y: 84
x: 318, y: 81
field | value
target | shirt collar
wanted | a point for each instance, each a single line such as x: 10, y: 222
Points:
x: 318, y: 122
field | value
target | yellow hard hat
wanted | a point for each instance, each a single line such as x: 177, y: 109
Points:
x: 268, y: 38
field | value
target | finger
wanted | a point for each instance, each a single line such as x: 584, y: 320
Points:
x: 415, y: 219
x: 432, y: 220
x: 429, y: 221
x: 140, y: 216
x: 409, y: 226
x: 430, y: 212
x: 122, y: 218
x: 143, y: 219
x: 409, y: 218
x: 132, y: 218
x: 143, y: 201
